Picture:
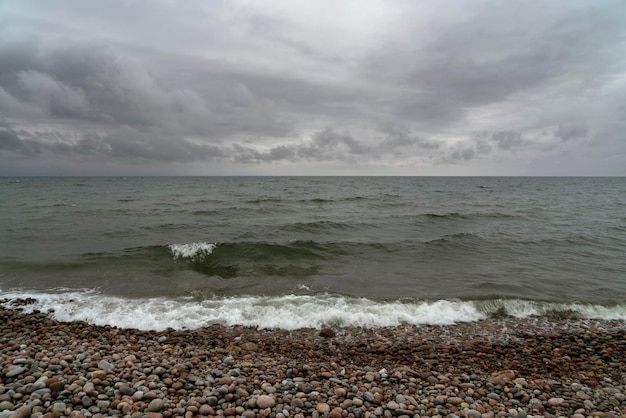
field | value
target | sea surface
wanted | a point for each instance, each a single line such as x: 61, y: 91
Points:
x: 291, y: 252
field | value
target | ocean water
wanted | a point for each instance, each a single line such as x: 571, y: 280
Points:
x: 290, y: 252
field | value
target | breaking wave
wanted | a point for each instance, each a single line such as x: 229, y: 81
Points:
x: 292, y: 311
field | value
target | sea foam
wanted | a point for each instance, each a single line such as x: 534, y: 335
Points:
x: 193, y: 251
x: 286, y: 312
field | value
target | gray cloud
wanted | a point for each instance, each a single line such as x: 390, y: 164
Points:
x: 402, y: 137
x: 571, y: 131
x: 126, y: 144
x: 96, y: 84
x: 443, y: 86
x: 504, y: 140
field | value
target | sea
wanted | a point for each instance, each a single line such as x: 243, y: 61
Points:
x: 310, y: 252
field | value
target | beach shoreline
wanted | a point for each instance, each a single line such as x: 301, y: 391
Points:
x: 496, y: 367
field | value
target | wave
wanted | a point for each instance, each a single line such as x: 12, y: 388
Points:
x: 318, y: 226
x: 450, y: 215
x: 265, y: 200
x: 461, y: 239
x: 230, y: 260
x: 253, y: 250
x: 316, y: 200
x: 469, y: 216
x: 214, y: 212
x: 193, y: 251
x: 293, y: 311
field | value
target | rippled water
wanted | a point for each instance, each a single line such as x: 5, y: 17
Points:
x: 371, y: 250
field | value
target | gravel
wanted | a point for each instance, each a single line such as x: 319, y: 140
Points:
x: 493, y: 368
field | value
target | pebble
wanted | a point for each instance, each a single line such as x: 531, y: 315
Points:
x: 14, y: 371
x: 265, y: 401
x: 555, y: 401
x: 22, y: 412
x: 322, y: 407
x: 478, y: 370
x: 155, y: 405
x: 472, y: 413
x: 393, y: 405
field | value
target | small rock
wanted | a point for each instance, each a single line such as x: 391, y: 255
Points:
x: 322, y: 408
x: 305, y: 388
x: 6, y: 406
x: 340, y: 392
x: 58, y: 408
x: 327, y: 333
x: 472, y: 413
x: 105, y: 365
x: 336, y: 413
x: 86, y: 401
x: 14, y: 371
x: 155, y: 405
x: 393, y: 405
x: 205, y: 410
x: 555, y: 401
x: 24, y: 412
x: 265, y: 401
x: 126, y: 390
x: 98, y: 374
x: 57, y: 386
x: 249, y: 346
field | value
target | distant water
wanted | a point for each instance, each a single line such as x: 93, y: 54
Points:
x: 291, y: 252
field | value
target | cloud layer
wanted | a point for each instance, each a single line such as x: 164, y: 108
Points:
x: 476, y: 87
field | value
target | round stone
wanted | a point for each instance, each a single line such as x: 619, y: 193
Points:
x: 155, y: 405
x: 6, y: 406
x: 323, y: 408
x: 24, y: 412
x: 393, y: 405
x: 336, y: 413
x: 555, y: 401
x: 472, y: 413
x: 265, y: 401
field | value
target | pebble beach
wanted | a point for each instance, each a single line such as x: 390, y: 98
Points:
x: 501, y: 367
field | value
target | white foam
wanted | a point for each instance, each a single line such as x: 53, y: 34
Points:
x: 284, y: 312
x: 194, y: 251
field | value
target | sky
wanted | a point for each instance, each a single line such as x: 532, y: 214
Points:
x: 289, y: 87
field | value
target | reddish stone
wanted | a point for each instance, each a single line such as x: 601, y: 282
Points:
x: 336, y: 413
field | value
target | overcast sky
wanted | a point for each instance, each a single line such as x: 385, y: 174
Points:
x: 464, y: 87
